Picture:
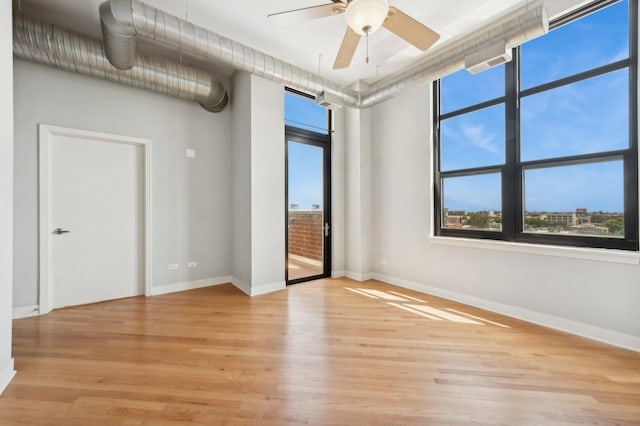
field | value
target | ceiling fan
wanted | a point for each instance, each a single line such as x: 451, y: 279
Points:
x: 363, y: 17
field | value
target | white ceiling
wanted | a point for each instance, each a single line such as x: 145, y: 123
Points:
x: 310, y: 45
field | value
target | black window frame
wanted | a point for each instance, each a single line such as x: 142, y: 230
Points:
x: 512, y: 170
x: 324, y: 141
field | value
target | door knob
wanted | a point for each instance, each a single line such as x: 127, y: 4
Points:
x: 59, y: 231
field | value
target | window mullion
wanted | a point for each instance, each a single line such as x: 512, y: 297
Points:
x: 511, y: 195
x: 631, y: 213
x: 437, y: 182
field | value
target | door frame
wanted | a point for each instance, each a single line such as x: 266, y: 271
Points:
x: 47, y: 134
x: 307, y: 137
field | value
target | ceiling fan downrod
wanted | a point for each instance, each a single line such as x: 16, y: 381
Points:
x: 366, y: 31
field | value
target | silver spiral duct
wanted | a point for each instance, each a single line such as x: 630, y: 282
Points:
x: 512, y: 30
x: 123, y: 20
x: 44, y: 43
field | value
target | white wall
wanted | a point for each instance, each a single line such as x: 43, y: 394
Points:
x: 268, y: 215
x: 6, y: 192
x: 241, y: 178
x: 191, y: 197
x: 258, y: 184
x: 598, y: 299
x: 358, y: 214
x: 338, y: 198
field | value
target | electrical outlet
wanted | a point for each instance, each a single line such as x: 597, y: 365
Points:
x: 192, y: 264
x: 191, y: 153
x: 384, y: 262
x: 173, y: 266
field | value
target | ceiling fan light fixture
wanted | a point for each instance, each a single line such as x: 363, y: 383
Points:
x: 366, y: 16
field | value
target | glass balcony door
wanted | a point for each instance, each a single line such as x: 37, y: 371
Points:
x: 308, y: 205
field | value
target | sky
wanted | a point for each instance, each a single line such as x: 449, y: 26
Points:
x: 305, y: 161
x: 585, y: 117
x: 571, y: 120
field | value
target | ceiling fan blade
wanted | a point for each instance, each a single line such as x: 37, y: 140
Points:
x: 306, y: 14
x: 347, y: 49
x: 410, y: 30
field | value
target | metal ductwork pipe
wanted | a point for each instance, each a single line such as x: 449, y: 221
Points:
x: 123, y: 20
x: 514, y: 29
x: 44, y: 43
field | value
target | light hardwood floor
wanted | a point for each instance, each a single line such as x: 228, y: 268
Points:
x: 323, y: 352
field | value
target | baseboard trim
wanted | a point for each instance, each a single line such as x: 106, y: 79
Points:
x: 359, y: 277
x: 189, y: 285
x: 6, y: 374
x: 241, y: 285
x: 610, y: 337
x: 338, y: 274
x: 257, y: 290
x: 268, y: 288
x: 26, y: 311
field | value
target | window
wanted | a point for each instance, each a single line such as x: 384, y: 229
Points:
x: 544, y: 148
x: 302, y: 112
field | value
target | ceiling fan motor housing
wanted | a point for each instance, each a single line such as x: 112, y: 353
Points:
x: 366, y: 16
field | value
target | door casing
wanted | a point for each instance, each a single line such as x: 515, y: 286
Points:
x: 47, y: 135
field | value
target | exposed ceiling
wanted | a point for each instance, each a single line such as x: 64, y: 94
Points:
x: 310, y: 45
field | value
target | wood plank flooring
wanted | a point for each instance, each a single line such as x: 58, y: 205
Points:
x: 329, y: 352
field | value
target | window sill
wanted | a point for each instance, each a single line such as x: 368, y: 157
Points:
x: 601, y: 255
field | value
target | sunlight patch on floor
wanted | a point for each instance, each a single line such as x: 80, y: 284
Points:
x: 478, y: 318
x: 360, y: 292
x: 415, y: 311
x: 407, y: 303
x: 407, y: 297
x: 444, y: 314
x: 382, y: 294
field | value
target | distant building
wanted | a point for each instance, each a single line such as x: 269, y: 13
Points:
x: 563, y: 219
x: 602, y: 217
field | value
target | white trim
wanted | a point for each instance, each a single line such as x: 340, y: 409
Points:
x: 6, y: 374
x: 241, y: 285
x: 250, y: 290
x: 338, y: 274
x: 602, y: 255
x: 25, y: 311
x: 580, y: 329
x: 359, y: 277
x: 47, y: 133
x: 189, y: 285
x: 268, y: 288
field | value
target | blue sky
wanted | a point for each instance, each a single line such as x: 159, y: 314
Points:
x: 305, y: 175
x: 575, y: 119
x: 305, y: 161
x: 571, y: 120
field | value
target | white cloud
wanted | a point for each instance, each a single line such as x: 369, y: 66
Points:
x: 478, y: 136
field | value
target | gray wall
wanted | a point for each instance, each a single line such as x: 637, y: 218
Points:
x: 597, y: 298
x: 6, y: 191
x: 258, y: 184
x: 267, y: 185
x: 338, y: 199
x: 241, y: 176
x: 190, y: 197
x: 357, y: 155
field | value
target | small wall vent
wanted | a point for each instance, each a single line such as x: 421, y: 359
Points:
x: 487, y: 57
x: 328, y: 100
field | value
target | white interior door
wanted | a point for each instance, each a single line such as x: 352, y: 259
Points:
x: 97, y: 195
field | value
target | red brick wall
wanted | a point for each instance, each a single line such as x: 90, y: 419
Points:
x: 306, y: 233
